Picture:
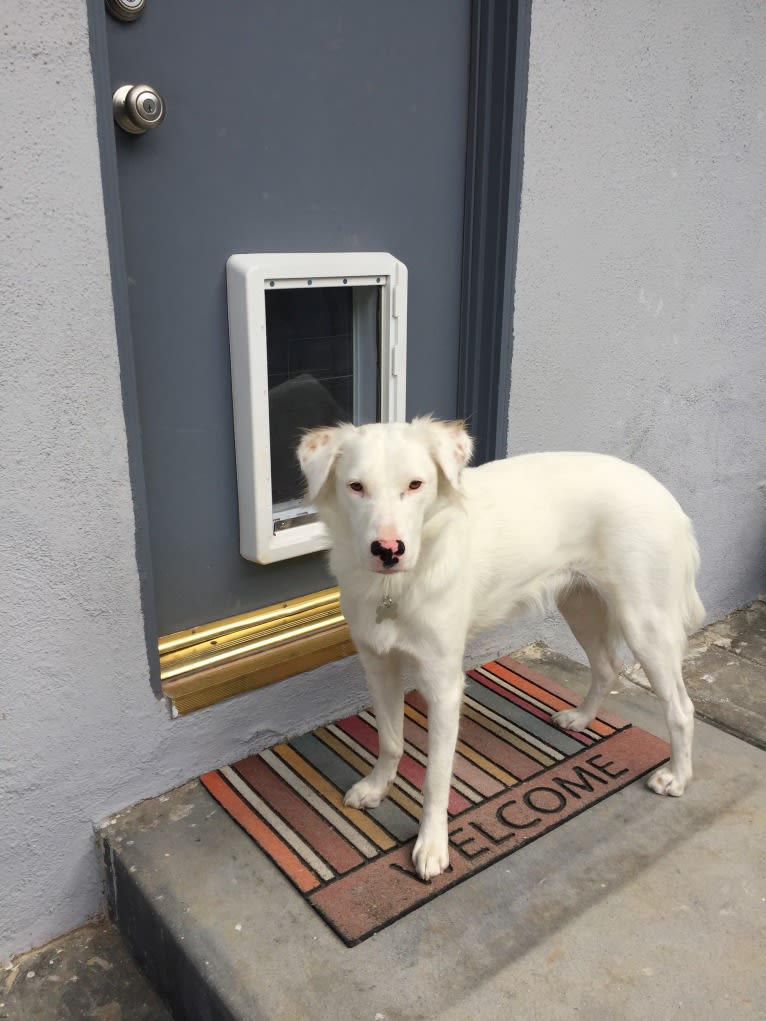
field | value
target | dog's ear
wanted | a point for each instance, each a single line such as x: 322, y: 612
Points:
x: 317, y: 452
x: 450, y: 445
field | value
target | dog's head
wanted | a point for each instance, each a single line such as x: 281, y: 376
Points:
x: 376, y: 486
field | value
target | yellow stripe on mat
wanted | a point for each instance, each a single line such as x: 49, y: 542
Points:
x: 397, y: 796
x: 323, y: 786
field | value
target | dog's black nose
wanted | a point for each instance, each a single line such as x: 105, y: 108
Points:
x: 388, y: 550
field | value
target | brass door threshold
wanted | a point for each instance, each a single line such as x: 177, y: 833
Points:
x: 207, y: 664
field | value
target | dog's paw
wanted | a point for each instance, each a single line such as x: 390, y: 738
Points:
x: 430, y: 855
x: 664, y: 781
x: 571, y: 719
x: 367, y: 793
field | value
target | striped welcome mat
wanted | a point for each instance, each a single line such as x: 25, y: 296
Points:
x: 516, y: 777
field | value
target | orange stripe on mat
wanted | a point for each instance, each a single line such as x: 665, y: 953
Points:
x: 542, y: 694
x: 251, y: 823
x: 548, y: 684
x: 304, y: 820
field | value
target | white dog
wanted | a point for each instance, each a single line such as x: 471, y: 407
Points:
x: 427, y: 551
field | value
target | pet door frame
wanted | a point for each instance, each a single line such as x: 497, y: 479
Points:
x: 266, y: 537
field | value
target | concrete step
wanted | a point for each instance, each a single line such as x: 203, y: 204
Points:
x: 640, y: 906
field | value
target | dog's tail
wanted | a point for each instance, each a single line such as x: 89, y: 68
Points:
x: 692, y: 610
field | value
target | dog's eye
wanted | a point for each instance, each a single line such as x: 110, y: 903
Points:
x: 415, y: 484
x: 356, y: 486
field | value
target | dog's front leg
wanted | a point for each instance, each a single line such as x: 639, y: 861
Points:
x: 386, y: 686
x: 431, y: 852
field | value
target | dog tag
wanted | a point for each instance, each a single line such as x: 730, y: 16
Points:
x: 386, y: 610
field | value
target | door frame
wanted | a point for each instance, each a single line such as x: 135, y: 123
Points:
x: 99, y: 56
x: 498, y: 70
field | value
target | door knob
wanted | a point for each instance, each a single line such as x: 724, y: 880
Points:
x: 137, y: 108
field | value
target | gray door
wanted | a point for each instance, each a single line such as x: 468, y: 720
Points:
x: 290, y: 126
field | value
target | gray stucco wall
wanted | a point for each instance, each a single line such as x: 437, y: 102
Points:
x: 639, y: 328
x: 640, y: 309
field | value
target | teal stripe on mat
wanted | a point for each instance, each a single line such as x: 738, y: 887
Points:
x: 387, y: 814
x: 545, y: 732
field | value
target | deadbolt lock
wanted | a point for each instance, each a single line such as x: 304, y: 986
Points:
x: 126, y: 10
x: 137, y: 108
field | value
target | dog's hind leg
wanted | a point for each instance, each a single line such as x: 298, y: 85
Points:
x: 386, y: 686
x: 658, y: 643
x: 586, y: 614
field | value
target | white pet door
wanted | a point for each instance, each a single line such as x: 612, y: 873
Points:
x: 316, y: 339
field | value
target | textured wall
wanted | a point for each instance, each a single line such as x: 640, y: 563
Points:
x: 640, y: 322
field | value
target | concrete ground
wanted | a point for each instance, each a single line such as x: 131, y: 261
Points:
x: 85, y: 974
x: 640, y: 907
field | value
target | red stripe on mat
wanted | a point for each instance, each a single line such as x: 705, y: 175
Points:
x: 522, y: 670
x: 535, y: 691
x: 299, y: 815
x: 253, y: 825
x: 526, y: 706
